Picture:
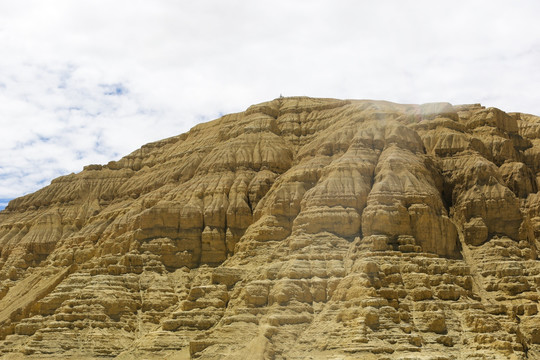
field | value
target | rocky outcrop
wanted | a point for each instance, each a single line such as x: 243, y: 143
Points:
x: 300, y: 228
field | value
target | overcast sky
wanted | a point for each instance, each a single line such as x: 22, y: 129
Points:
x: 89, y: 81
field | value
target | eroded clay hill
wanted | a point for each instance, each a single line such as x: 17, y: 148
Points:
x: 299, y: 229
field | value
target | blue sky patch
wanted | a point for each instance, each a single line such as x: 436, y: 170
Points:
x: 4, y: 203
x: 114, y: 89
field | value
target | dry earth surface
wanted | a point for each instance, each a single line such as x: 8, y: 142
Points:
x: 299, y: 229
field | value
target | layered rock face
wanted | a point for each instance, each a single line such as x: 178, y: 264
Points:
x: 299, y: 229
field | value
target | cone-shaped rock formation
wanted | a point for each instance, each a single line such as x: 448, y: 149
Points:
x: 299, y: 229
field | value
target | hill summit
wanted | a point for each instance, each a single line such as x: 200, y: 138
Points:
x: 301, y: 228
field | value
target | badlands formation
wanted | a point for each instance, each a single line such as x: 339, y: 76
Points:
x: 299, y: 229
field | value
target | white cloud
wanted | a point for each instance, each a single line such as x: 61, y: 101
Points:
x: 89, y: 81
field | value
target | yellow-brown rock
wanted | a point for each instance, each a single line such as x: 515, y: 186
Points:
x: 301, y: 228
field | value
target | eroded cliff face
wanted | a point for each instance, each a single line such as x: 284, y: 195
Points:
x: 300, y: 228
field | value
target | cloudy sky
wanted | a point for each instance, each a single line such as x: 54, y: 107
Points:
x: 88, y: 81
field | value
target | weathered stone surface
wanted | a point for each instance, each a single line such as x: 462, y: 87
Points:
x: 300, y: 228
